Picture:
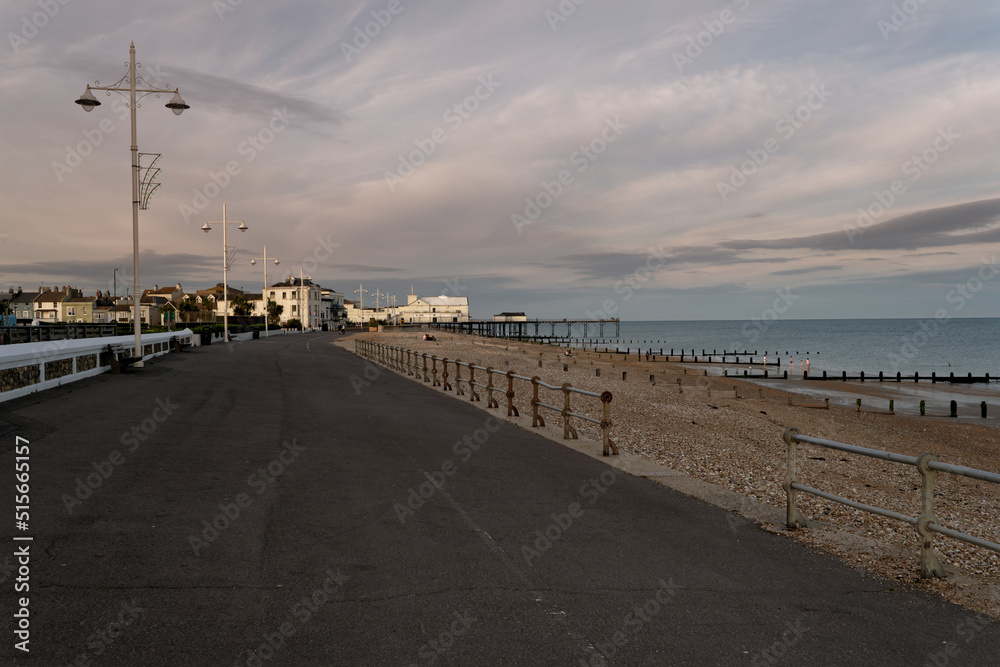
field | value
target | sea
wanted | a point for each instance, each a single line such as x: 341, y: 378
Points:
x: 908, y: 346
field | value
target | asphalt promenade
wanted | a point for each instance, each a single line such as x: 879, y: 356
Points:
x: 283, y: 502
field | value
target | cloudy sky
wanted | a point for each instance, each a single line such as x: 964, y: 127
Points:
x: 651, y: 160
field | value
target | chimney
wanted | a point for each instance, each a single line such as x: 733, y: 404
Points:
x: 156, y: 287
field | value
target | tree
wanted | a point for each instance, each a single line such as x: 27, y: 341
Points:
x: 166, y: 313
x: 241, y: 307
x: 274, y: 311
x: 188, y: 305
x: 294, y: 323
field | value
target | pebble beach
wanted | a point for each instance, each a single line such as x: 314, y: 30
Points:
x: 728, y: 432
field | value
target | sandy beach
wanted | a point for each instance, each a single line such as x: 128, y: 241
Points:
x: 694, y: 423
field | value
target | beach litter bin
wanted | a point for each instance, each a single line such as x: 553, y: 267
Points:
x: 256, y: 334
x: 206, y: 337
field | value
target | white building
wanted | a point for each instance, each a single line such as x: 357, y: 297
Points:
x: 355, y: 315
x: 430, y: 309
x: 299, y: 300
x: 333, y: 310
x: 510, y: 317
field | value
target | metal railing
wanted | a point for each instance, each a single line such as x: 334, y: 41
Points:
x: 416, y: 364
x: 926, y: 524
x: 58, y: 331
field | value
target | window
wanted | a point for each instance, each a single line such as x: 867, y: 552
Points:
x: 284, y: 295
x: 293, y: 309
x: 434, y: 310
x: 84, y: 310
x: 272, y: 295
x: 71, y: 311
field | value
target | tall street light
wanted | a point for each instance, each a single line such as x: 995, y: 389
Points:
x: 361, y: 291
x: 129, y: 83
x: 264, y: 293
x: 227, y: 262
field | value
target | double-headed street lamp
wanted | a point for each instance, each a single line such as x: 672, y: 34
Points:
x: 129, y: 83
x: 264, y: 293
x: 361, y: 291
x: 227, y: 262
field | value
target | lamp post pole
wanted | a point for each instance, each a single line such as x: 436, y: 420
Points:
x: 177, y: 105
x: 361, y: 295
x: 226, y: 261
x: 264, y: 293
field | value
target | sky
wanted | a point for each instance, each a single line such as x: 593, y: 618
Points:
x: 665, y: 160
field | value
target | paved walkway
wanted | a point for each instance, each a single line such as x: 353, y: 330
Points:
x: 282, y: 502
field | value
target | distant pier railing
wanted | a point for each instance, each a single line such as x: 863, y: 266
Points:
x: 926, y: 524
x: 527, y: 329
x: 415, y: 364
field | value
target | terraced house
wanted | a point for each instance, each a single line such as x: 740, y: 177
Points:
x: 78, y: 309
x: 48, y: 305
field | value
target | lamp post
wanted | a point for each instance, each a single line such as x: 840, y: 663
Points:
x: 264, y: 293
x: 227, y: 260
x: 128, y: 84
x: 361, y: 291
x: 114, y: 277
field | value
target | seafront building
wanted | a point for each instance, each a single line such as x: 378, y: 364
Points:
x: 299, y: 298
x: 418, y: 310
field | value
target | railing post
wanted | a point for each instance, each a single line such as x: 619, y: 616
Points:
x: 458, y: 378
x: 511, y: 408
x: 444, y: 374
x: 409, y: 362
x: 794, y: 518
x: 473, y: 394
x: 536, y: 417
x: 568, y: 431
x: 490, y: 401
x: 606, y: 424
x: 436, y: 383
x: 427, y: 377
x: 930, y: 566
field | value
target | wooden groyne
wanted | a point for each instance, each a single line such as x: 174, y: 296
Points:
x: 899, y: 377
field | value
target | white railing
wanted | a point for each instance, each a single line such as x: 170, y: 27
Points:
x: 30, y: 367
x: 926, y: 524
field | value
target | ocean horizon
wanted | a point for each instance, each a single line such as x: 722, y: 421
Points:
x: 890, y: 345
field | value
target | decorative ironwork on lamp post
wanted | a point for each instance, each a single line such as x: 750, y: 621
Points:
x: 130, y: 83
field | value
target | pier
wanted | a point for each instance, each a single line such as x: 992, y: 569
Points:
x: 528, y: 329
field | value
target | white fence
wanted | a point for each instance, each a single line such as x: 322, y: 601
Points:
x: 926, y: 524
x: 29, y: 367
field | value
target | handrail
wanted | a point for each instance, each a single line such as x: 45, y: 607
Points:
x: 926, y: 524
x: 408, y: 362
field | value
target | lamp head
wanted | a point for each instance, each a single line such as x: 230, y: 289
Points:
x: 253, y: 262
x: 205, y: 228
x: 243, y: 227
x: 176, y: 104
x: 276, y: 262
x: 88, y: 101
